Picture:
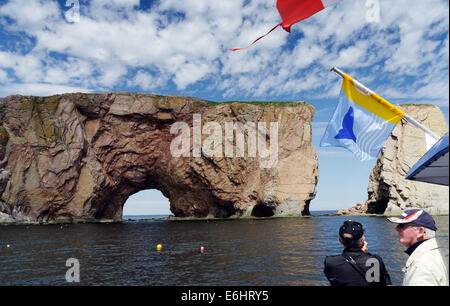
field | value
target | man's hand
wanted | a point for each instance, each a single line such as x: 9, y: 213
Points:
x: 364, y: 248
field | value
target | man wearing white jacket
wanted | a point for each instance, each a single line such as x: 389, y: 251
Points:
x: 427, y: 264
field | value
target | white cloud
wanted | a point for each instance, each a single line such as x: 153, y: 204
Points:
x: 38, y: 89
x: 29, y: 68
x: 32, y: 16
x: 191, y: 72
x: 7, y: 59
x: 3, y: 76
x: 147, y: 81
x: 115, y: 45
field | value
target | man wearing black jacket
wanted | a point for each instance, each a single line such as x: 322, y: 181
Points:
x: 355, y: 266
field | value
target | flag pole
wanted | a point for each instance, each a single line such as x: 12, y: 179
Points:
x: 408, y: 119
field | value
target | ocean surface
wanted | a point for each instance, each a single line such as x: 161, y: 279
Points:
x: 247, y: 252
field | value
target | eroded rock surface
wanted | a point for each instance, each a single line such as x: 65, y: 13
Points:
x: 82, y: 155
x: 388, y: 191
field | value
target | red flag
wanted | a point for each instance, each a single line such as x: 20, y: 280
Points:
x: 293, y: 11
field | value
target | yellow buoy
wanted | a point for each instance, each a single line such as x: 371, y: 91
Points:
x: 158, y: 247
x: 7, y: 245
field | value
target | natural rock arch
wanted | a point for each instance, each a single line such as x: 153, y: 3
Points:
x: 82, y: 156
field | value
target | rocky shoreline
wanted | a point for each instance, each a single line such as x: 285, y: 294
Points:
x: 169, y: 218
x: 195, y: 219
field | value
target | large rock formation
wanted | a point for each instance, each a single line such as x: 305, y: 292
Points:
x: 388, y: 191
x: 79, y: 155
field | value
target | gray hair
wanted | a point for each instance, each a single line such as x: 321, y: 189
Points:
x: 429, y: 233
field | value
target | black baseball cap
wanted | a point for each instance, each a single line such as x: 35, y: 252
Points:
x: 353, y: 228
x: 415, y: 216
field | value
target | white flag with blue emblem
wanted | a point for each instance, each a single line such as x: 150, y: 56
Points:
x: 361, y: 123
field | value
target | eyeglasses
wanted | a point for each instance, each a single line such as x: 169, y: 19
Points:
x: 405, y: 225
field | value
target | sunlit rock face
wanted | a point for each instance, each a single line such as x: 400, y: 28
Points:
x: 80, y: 155
x: 388, y: 190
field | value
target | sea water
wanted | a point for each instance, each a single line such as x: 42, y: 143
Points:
x: 264, y: 252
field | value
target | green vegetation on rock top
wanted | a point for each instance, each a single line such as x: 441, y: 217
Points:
x: 265, y: 103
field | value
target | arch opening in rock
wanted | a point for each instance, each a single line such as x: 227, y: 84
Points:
x: 378, y: 207
x: 150, y: 202
x: 261, y: 210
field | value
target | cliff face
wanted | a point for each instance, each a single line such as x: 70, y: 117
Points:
x: 83, y: 155
x: 388, y: 190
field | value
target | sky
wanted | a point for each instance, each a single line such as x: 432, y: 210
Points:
x: 398, y: 48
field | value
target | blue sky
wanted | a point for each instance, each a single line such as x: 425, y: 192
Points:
x: 181, y: 47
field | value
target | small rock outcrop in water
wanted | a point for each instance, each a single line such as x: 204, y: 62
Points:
x: 388, y: 191
x: 82, y: 155
x: 356, y: 209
